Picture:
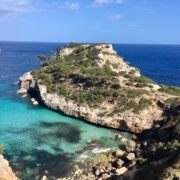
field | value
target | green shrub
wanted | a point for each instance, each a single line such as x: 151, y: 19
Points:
x: 132, y: 72
x: 140, y: 85
x: 122, y: 73
x: 115, y: 86
x: 1, y: 149
x: 143, y: 79
x: 143, y: 103
x: 173, y: 90
x: 74, y: 45
x: 133, y: 93
x: 127, y: 76
x: 62, y: 90
x: 129, y: 84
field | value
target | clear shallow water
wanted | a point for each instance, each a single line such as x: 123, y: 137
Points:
x: 37, y: 139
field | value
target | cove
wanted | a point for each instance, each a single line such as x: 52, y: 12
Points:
x: 39, y: 140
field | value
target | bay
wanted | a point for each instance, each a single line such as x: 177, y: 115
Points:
x: 43, y: 140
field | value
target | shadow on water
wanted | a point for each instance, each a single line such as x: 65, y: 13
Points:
x: 56, y: 163
x: 43, y: 163
x: 49, y: 134
x: 63, y: 130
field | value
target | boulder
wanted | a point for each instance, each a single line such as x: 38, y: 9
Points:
x: 119, y: 153
x: 121, y: 170
x: 97, y: 172
x: 119, y: 137
x: 35, y: 103
x: 119, y: 163
x: 130, y: 156
x: 130, y: 145
x: 22, y: 91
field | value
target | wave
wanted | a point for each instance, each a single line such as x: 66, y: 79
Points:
x: 100, y: 150
x: 16, y: 83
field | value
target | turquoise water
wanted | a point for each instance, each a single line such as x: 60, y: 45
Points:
x: 36, y: 131
x: 39, y: 141
x: 37, y: 128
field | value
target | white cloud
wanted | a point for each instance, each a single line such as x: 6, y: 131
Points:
x: 116, y: 16
x: 15, y: 6
x: 10, y: 9
x: 70, y: 6
x: 101, y: 3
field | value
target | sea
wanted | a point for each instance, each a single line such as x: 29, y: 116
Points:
x: 39, y: 141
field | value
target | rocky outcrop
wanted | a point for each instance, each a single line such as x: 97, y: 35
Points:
x: 127, y: 120
x: 6, y: 172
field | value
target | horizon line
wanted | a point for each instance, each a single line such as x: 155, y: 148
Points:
x: 88, y: 42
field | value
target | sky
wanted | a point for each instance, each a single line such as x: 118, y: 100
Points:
x: 108, y: 21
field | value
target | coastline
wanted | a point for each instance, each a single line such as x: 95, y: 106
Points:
x: 30, y: 84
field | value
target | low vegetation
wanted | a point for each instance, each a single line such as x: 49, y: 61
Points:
x: 78, y: 77
x: 173, y: 90
x: 1, y: 148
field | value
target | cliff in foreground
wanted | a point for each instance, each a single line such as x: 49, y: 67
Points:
x: 6, y: 172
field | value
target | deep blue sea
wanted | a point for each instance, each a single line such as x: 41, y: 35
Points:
x: 39, y: 141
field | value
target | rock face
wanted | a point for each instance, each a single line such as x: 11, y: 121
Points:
x: 6, y: 172
x: 127, y: 120
x: 172, y: 172
x: 176, y: 132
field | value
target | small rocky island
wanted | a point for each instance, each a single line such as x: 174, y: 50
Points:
x: 93, y: 83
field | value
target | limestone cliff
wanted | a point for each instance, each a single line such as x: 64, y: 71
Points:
x: 95, y: 84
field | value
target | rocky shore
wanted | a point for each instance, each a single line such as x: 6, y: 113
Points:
x: 142, y: 107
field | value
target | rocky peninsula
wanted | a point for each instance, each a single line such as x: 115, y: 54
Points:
x: 93, y: 83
